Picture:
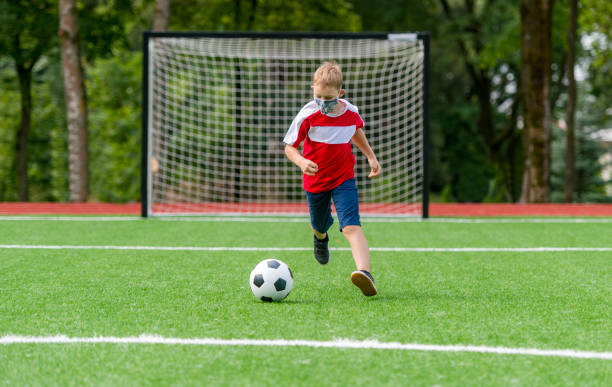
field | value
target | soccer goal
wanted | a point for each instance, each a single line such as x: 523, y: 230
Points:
x: 216, y: 107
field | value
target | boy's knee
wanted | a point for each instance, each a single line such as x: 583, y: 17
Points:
x: 350, y: 230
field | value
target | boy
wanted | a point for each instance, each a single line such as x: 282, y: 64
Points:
x: 327, y: 125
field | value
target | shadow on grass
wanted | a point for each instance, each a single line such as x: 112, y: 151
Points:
x: 286, y: 302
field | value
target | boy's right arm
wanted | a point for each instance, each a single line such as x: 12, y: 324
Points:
x: 307, y: 166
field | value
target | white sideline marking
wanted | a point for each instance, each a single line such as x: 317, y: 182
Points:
x: 339, y: 343
x: 301, y: 219
x: 385, y: 249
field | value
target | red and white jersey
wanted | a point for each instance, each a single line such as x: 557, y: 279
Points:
x: 327, y: 143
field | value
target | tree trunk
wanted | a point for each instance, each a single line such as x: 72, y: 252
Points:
x: 536, y: 26
x: 162, y: 15
x: 76, y: 104
x: 571, y: 104
x: 24, y: 75
x: 158, y: 163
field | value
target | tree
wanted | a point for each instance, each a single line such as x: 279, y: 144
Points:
x: 571, y: 103
x: 76, y: 104
x: 264, y: 15
x: 536, y: 51
x: 25, y: 35
x: 483, y: 35
x: 162, y: 15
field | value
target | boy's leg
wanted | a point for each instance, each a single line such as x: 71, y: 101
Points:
x: 361, y: 254
x: 319, y: 235
x: 347, y: 206
x: 319, y: 205
x: 359, y: 246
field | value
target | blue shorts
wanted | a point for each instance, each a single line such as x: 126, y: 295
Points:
x: 345, y: 200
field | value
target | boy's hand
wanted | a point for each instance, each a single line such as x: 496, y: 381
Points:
x: 376, y: 169
x: 308, y: 167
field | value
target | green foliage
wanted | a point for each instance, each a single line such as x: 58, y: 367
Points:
x: 27, y: 28
x: 397, y: 15
x: 469, y: 177
x: 458, y: 154
x: 263, y: 15
x: 9, y: 106
x: 48, y: 167
x: 114, y: 96
x: 27, y: 31
x: 596, y: 16
x: 102, y: 26
x: 501, y: 36
x: 47, y: 156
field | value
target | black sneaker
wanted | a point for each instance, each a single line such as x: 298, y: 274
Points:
x: 364, y: 281
x: 321, y: 252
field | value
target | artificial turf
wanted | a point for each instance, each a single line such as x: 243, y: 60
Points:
x: 546, y: 300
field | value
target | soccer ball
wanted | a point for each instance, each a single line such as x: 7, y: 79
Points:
x: 271, y: 280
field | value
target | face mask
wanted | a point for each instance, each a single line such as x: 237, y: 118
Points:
x: 327, y: 106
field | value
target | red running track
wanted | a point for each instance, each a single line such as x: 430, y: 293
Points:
x: 435, y: 209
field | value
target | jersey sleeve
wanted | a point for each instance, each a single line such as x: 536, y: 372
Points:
x: 359, y: 121
x: 298, y: 129
x: 357, y: 117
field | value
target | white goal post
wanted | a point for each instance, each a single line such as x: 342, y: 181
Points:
x: 216, y: 107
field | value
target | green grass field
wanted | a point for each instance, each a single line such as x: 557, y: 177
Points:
x: 549, y: 300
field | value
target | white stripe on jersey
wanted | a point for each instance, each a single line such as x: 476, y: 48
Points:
x: 332, y: 134
x: 309, y: 109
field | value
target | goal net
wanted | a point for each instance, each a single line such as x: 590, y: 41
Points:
x: 217, y: 107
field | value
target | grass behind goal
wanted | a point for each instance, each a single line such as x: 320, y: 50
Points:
x: 545, y: 300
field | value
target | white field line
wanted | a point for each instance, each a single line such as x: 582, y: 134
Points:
x: 383, y: 249
x: 301, y: 219
x: 339, y: 343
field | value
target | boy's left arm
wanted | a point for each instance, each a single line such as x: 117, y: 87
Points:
x: 359, y: 138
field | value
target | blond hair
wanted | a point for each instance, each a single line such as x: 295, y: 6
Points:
x: 328, y: 74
